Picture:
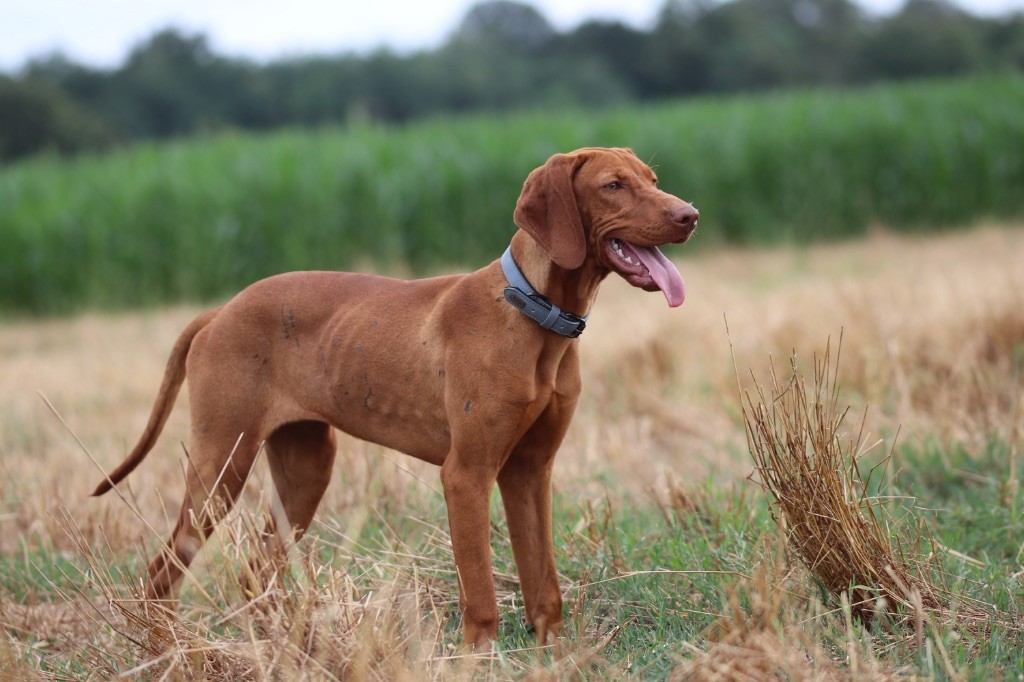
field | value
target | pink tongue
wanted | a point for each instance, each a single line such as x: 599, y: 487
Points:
x: 664, y: 273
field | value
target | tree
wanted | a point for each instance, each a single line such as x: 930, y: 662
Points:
x: 619, y: 53
x: 505, y: 24
x: 504, y: 55
x: 35, y: 116
x: 173, y: 83
x: 926, y: 38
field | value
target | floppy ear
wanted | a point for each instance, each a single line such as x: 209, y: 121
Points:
x: 547, y: 211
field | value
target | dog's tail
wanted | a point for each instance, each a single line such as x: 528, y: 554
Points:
x: 174, y: 375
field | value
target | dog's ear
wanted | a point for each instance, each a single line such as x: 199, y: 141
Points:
x: 547, y: 210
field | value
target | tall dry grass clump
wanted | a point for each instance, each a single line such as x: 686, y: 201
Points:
x: 808, y: 462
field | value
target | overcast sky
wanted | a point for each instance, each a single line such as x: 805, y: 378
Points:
x: 100, y: 32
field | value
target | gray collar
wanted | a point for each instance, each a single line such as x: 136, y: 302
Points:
x: 530, y: 303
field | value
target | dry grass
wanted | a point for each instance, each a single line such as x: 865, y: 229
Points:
x: 759, y: 635
x: 300, y: 617
x: 808, y: 461
x: 933, y: 340
x: 932, y: 327
x: 811, y: 470
x: 261, y: 615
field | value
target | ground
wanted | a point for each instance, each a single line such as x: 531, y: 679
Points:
x: 653, y: 482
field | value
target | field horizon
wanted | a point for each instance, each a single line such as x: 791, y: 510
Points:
x: 665, y: 540
x: 196, y: 219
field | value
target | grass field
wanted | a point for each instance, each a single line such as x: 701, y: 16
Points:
x: 195, y: 219
x: 669, y: 558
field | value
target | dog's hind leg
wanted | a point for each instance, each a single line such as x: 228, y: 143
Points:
x: 301, y: 456
x: 217, y: 470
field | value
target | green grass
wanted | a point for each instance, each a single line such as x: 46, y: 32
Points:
x: 199, y: 218
x: 597, y: 557
x: 35, y: 573
x: 972, y: 504
x: 666, y: 576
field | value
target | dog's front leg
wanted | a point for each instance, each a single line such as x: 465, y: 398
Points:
x: 526, y: 494
x: 468, y: 480
x: 525, y: 483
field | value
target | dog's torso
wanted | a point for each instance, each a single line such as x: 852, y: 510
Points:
x: 395, y: 362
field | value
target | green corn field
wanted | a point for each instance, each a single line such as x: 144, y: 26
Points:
x: 197, y: 219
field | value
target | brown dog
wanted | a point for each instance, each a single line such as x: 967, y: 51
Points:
x: 443, y: 369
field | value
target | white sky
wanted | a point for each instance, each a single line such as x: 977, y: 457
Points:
x: 100, y: 32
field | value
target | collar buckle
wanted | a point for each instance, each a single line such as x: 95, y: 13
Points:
x: 580, y: 323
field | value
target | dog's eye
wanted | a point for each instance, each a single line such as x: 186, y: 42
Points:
x: 613, y: 185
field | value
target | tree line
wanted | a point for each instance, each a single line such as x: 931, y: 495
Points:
x: 503, y: 55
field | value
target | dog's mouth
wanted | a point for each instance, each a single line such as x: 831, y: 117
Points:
x: 647, y: 268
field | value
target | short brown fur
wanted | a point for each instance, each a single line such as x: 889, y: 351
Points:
x: 442, y: 369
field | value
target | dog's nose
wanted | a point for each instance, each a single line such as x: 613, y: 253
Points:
x: 687, y: 217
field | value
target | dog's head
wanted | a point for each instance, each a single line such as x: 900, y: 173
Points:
x: 605, y: 204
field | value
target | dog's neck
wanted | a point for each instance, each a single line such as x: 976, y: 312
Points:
x: 572, y: 290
